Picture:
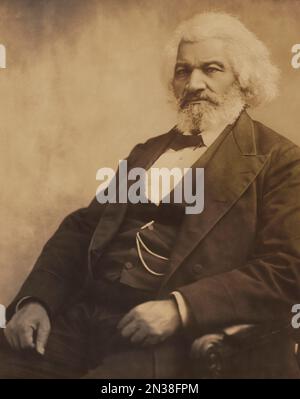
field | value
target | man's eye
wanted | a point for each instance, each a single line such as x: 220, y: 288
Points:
x: 212, y: 70
x: 182, y: 72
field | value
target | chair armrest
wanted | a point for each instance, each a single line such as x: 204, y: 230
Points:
x: 243, y: 351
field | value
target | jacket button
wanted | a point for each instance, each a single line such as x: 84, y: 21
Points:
x: 198, y: 268
x: 128, y: 265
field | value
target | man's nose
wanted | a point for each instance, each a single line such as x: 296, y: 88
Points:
x: 197, y: 81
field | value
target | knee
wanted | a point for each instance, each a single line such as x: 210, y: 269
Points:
x: 131, y: 364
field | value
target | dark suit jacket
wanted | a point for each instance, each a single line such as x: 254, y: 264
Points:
x: 236, y: 262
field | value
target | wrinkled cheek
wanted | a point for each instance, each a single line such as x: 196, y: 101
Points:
x: 179, y: 89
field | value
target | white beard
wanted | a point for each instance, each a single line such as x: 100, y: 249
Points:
x: 203, y: 116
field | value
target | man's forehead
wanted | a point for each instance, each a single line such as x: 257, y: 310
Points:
x: 202, y: 51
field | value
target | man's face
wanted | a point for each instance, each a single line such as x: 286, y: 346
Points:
x: 202, y: 73
x: 206, y: 90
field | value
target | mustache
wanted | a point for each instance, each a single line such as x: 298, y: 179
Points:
x: 192, y: 97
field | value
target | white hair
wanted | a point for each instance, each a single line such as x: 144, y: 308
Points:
x: 248, y: 56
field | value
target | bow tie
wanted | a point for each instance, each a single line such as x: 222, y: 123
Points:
x: 181, y: 141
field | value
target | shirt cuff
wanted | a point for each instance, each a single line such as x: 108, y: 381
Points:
x: 19, y: 303
x: 182, y: 307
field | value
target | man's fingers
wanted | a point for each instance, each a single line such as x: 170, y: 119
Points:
x: 151, y: 340
x: 12, y: 336
x: 129, y: 329
x: 11, y: 339
x: 41, y: 339
x: 125, y: 320
x: 138, y: 336
x: 26, y: 338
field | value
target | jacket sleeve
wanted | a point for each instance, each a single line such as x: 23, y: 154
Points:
x: 265, y: 288
x: 60, y: 270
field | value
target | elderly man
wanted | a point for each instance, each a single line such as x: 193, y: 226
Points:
x: 122, y: 289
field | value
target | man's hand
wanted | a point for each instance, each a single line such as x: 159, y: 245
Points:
x: 29, y: 322
x: 151, y: 322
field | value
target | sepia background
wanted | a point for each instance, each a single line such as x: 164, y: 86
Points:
x: 83, y: 85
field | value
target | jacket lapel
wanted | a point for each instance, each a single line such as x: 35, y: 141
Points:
x: 142, y: 156
x: 227, y: 174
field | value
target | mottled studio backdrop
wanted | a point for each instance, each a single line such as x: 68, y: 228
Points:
x: 82, y: 85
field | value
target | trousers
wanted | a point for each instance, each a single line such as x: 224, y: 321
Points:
x: 85, y: 343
